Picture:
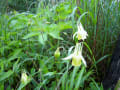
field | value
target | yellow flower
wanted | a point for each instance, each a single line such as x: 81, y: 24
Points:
x: 81, y: 33
x: 77, y: 57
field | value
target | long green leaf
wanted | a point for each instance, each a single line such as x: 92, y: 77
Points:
x: 5, y: 75
x: 79, y: 78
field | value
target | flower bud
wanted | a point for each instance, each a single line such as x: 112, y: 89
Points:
x: 57, y: 53
x: 24, y: 78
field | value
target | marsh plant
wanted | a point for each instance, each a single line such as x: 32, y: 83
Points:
x: 79, y: 72
x: 77, y: 57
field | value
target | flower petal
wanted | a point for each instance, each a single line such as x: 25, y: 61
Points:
x: 83, y: 60
x: 70, y: 49
x: 74, y: 35
x: 81, y: 27
x: 76, y: 61
x: 69, y: 57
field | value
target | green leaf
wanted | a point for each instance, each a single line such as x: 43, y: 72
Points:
x: 94, y: 85
x: 2, y: 86
x: 73, y: 77
x: 16, y: 66
x: 55, y: 34
x: 102, y: 58
x: 94, y: 61
x: 50, y: 74
x: 5, y: 75
x: 81, y: 16
x: 42, y: 38
x: 15, y: 54
x: 117, y: 87
x: 31, y: 35
x: 80, y: 77
x: 41, y: 84
x: 23, y: 84
x: 85, y: 77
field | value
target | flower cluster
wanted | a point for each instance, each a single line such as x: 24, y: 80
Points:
x: 76, y: 56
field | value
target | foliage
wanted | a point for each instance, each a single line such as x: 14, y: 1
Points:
x: 29, y: 40
x: 19, y: 5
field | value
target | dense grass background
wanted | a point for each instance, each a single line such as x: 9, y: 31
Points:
x: 31, y: 31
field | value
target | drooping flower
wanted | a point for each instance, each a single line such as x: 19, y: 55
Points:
x: 24, y: 78
x: 76, y: 56
x: 81, y: 34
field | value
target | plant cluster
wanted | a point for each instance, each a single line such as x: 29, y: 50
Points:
x: 34, y: 46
